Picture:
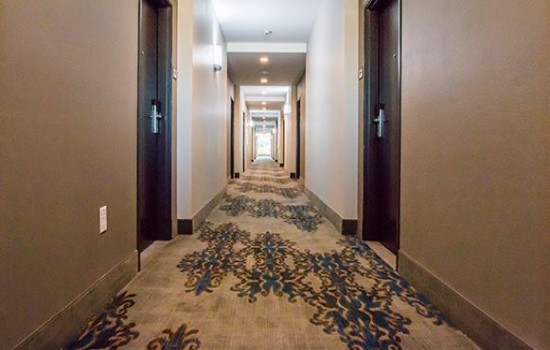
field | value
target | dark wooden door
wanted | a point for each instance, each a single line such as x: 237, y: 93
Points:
x: 382, y: 125
x: 244, y: 141
x: 298, y: 137
x: 232, y: 141
x: 283, y: 136
x: 154, y: 127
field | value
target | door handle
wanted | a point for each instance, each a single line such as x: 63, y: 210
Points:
x: 380, y: 120
x: 155, y: 116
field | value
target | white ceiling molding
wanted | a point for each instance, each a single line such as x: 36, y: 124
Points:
x: 266, y: 47
x: 266, y: 98
x: 268, y: 114
x: 270, y: 90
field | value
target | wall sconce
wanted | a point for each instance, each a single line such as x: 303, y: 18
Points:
x: 218, y: 58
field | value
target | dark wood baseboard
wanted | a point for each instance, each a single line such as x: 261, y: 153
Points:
x: 185, y: 226
x: 476, y: 324
x: 349, y: 227
x: 346, y: 227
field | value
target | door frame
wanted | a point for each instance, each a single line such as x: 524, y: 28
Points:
x: 244, y: 141
x: 370, y: 103
x: 232, y: 139
x: 298, y: 137
x: 282, y: 160
x: 164, y: 92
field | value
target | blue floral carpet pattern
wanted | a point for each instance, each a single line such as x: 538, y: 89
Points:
x: 180, y: 339
x: 304, y: 216
x: 362, y: 318
x: 110, y: 330
x: 267, y: 271
x: 287, y: 192
x: 282, y: 180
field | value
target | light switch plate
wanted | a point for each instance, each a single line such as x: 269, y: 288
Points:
x: 102, y: 220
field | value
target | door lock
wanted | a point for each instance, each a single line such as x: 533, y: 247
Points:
x: 155, y: 116
x: 380, y: 120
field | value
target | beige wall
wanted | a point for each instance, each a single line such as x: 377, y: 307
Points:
x: 332, y: 107
x: 203, y: 108
x: 290, y: 132
x: 475, y: 165
x: 67, y: 147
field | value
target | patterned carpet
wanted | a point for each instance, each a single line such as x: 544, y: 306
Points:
x: 267, y: 271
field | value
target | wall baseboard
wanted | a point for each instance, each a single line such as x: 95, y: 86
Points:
x: 349, y: 227
x: 67, y: 323
x: 480, y: 327
x: 189, y: 226
x: 185, y: 226
x: 346, y: 227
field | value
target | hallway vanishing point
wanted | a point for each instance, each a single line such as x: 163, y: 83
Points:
x: 267, y: 271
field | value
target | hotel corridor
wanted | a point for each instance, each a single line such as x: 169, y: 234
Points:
x: 267, y: 271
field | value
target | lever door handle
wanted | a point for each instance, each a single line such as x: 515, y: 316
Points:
x: 155, y: 117
x: 380, y: 120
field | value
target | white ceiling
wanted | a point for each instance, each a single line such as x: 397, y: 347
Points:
x: 246, y: 20
x: 284, y: 68
x: 255, y: 90
x: 270, y: 106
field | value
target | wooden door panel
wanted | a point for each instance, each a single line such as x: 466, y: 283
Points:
x: 382, y: 154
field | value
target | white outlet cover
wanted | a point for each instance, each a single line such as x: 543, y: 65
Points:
x: 102, y: 220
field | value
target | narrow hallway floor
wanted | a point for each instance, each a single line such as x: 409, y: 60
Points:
x: 267, y: 271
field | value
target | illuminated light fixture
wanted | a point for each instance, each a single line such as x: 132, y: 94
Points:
x: 264, y: 59
x: 263, y: 80
x: 264, y: 103
x: 218, y: 58
x: 264, y: 92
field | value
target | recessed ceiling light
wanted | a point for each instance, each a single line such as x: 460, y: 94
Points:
x: 264, y: 92
x: 263, y: 80
x: 264, y: 103
x: 264, y: 59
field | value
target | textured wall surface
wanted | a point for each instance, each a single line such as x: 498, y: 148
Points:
x: 332, y: 107
x: 475, y: 166
x: 67, y: 147
x: 203, y: 108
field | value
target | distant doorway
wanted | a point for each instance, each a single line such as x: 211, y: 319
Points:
x: 154, y: 174
x: 264, y: 144
x: 382, y: 122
